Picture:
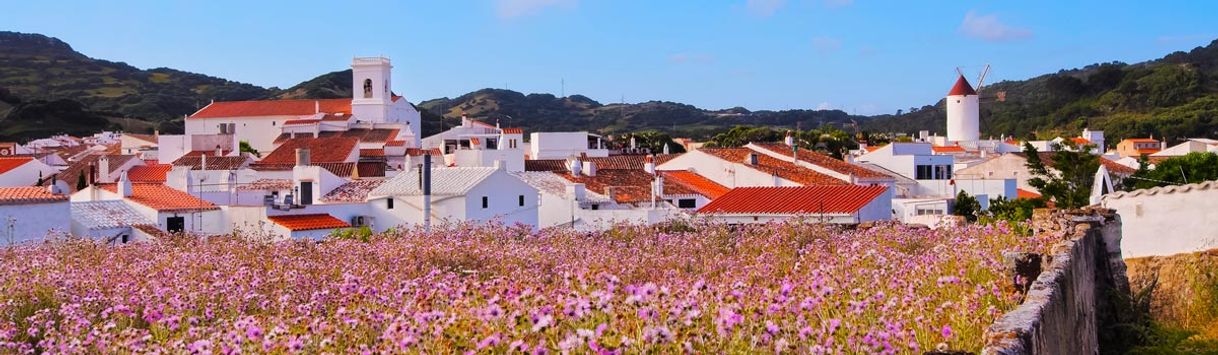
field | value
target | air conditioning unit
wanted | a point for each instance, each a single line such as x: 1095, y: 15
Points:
x: 361, y: 221
x: 223, y: 128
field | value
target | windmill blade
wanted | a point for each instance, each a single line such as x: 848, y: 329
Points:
x: 958, y: 71
x: 981, y: 80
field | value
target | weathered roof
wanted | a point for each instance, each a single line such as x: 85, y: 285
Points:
x: 629, y: 161
x: 554, y: 184
x: 106, y: 214
x: 447, y: 181
x: 794, y: 200
x: 366, y: 169
x: 353, y: 191
x: 266, y: 185
x: 213, y: 163
x: 321, y: 150
x: 626, y: 185
x: 784, y: 169
x: 824, y: 161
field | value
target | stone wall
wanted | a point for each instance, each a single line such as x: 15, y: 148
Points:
x: 1069, y: 304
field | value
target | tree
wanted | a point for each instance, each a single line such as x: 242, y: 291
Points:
x: 1069, y: 185
x: 246, y: 148
x: 966, y: 206
x: 1014, y: 210
x: 80, y: 182
x: 1194, y: 167
x: 655, y: 141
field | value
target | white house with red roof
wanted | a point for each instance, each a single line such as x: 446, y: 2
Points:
x: 32, y: 214
x: 373, y: 105
x: 23, y: 171
x: 171, y: 210
x: 836, y: 204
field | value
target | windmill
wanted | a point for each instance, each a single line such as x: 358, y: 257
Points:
x: 1000, y: 96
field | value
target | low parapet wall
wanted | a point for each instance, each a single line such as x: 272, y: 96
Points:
x: 1069, y: 303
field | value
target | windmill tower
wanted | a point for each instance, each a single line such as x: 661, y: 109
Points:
x: 963, y: 110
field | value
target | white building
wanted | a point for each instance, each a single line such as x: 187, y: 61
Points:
x: 110, y: 222
x: 1014, y: 166
x: 170, y: 209
x: 563, y: 145
x: 1166, y: 220
x: 1192, y: 145
x: 743, y: 167
x: 32, y: 214
x: 963, y: 113
x: 457, y: 195
x: 260, y: 122
x: 24, y: 171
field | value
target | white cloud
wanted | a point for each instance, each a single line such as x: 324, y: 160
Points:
x: 518, y: 8
x: 764, y: 8
x: 989, y: 28
x: 826, y: 44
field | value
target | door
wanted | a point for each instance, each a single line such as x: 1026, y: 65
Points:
x: 306, y: 192
x: 175, y: 224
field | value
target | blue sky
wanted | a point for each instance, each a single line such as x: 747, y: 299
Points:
x: 860, y: 56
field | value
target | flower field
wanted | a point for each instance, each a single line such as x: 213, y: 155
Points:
x: 701, y: 288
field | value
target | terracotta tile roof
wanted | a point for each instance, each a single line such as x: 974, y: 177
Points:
x: 1080, y: 141
x: 28, y: 195
x: 321, y: 150
x: 163, y: 198
x: 1021, y: 193
x: 117, y: 161
x: 962, y: 88
x: 784, y: 169
x: 372, y: 152
x: 1148, y: 151
x: 366, y: 169
x: 266, y: 185
x: 213, y: 163
x: 305, y: 222
x: 513, y: 130
x: 626, y: 185
x: 794, y: 200
x: 354, y: 191
x: 285, y: 136
x: 395, y: 143
x: 695, y: 182
x: 336, y: 117
x: 149, y: 173
x: 272, y: 108
x: 367, y: 135
x: 824, y: 161
x: 417, y: 152
x: 947, y: 149
x: 630, y: 161
x: 10, y: 163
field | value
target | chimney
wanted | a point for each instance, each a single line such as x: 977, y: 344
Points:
x: 589, y: 168
x: 666, y: 148
x: 649, y: 164
x: 302, y: 157
x: 124, y: 186
x: 219, y: 152
x: 633, y: 143
x: 574, y: 166
x: 789, y: 140
x: 103, y: 169
x: 316, y: 106
x: 202, y: 161
x: 752, y: 158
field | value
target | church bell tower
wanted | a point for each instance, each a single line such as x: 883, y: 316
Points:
x: 370, y: 88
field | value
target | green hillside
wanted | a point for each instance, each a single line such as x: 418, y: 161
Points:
x: 1174, y: 97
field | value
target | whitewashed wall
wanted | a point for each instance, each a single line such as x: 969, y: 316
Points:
x: 1167, y: 220
x: 32, y: 222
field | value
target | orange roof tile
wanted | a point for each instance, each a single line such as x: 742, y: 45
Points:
x: 149, y: 173
x: 1021, y: 193
x: 300, y: 122
x: 395, y: 143
x: 627, y: 161
x: 794, y: 200
x: 824, y: 161
x: 163, y: 198
x: 947, y: 149
x: 1148, y: 151
x: 28, y: 195
x: 272, y: 108
x: 1080, y: 141
x: 304, y: 222
x: 11, y: 163
x: 371, y: 152
x: 626, y: 185
x: 321, y: 150
x: 695, y: 182
x: 513, y: 130
x: 784, y: 169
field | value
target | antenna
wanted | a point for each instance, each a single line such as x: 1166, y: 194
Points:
x: 981, y: 80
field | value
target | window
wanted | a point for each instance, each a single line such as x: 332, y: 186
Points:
x: 485, y: 202
x: 389, y: 203
x: 923, y: 172
x: 687, y: 203
x: 521, y: 200
x: 596, y: 207
x: 126, y: 238
x: 367, y: 88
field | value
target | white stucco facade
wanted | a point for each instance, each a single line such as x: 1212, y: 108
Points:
x: 26, y: 223
x: 1167, y: 220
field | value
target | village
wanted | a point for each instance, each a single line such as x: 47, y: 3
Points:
x: 302, y: 169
